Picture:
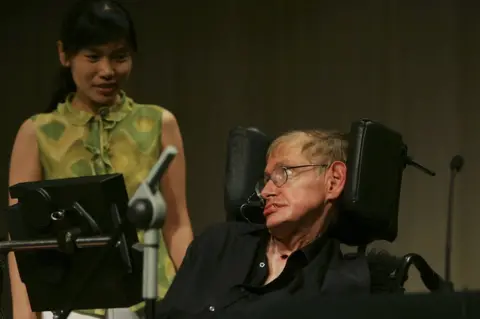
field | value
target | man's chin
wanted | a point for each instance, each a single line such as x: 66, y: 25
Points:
x: 276, y: 221
x: 281, y: 224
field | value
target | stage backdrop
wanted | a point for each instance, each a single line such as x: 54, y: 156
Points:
x: 278, y: 65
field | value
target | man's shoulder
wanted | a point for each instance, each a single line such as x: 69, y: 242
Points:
x: 219, y: 233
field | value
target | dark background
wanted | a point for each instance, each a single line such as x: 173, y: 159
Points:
x: 282, y: 64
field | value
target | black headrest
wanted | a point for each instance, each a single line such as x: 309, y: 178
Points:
x: 246, y: 150
x: 369, y: 204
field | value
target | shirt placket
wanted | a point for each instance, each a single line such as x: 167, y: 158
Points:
x: 98, y: 146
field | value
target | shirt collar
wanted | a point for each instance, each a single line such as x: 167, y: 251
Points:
x: 315, y: 247
x: 310, y: 251
x: 114, y: 113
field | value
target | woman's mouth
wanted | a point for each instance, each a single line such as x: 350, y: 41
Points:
x: 106, y: 89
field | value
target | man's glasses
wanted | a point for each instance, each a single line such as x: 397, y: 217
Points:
x: 280, y: 175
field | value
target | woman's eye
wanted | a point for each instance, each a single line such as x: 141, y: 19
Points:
x: 93, y: 57
x: 120, y: 57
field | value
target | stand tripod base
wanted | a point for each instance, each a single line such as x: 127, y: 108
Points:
x: 61, y: 314
x: 118, y: 313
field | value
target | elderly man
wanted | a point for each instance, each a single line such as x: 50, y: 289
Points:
x: 238, y: 268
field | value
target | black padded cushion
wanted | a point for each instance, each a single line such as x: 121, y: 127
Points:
x: 369, y: 205
x: 246, y: 151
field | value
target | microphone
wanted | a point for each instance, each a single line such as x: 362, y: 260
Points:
x: 456, y: 165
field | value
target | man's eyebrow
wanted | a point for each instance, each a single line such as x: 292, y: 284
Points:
x: 277, y: 165
x: 284, y: 163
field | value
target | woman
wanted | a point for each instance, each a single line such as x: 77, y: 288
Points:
x: 92, y: 127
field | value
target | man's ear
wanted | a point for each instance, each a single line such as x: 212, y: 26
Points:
x: 62, y: 55
x: 335, y: 178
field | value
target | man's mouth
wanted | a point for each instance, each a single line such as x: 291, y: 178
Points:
x: 271, y: 208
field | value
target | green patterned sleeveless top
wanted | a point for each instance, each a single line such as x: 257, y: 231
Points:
x: 126, y: 139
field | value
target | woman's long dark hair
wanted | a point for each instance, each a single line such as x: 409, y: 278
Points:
x: 90, y: 23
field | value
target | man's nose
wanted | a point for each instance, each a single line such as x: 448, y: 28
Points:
x: 268, y: 190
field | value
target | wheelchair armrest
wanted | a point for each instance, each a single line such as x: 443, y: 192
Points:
x: 433, y: 281
x: 389, y: 273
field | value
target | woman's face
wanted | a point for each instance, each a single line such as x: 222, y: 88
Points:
x: 99, y: 72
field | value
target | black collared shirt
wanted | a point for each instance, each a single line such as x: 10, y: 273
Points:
x: 225, y: 268
x: 258, y: 274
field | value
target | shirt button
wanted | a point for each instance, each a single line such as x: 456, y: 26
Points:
x: 262, y: 264
x: 211, y: 308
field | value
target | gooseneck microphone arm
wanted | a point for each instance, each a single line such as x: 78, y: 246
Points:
x: 456, y: 165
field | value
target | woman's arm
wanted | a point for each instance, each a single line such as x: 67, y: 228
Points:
x: 177, y: 230
x: 24, y: 167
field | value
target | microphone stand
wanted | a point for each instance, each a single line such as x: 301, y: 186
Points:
x: 456, y: 165
x: 147, y: 210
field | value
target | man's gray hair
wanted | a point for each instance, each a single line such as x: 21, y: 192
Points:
x: 317, y: 145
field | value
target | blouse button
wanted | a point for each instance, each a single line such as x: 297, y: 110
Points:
x: 211, y: 308
x: 103, y: 112
x: 262, y: 264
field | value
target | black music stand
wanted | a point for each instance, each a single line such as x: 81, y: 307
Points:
x: 51, y: 227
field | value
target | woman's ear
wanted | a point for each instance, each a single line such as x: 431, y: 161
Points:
x: 335, y: 178
x: 62, y: 55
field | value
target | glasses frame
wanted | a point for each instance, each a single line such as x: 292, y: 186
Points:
x: 285, y: 172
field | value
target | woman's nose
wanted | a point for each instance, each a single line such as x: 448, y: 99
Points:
x: 106, y: 69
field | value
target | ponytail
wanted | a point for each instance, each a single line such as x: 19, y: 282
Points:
x: 66, y: 86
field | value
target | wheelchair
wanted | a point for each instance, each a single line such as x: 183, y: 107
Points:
x: 369, y: 205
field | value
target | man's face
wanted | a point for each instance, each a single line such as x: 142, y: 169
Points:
x: 302, y: 194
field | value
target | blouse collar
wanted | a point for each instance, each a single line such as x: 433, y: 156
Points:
x: 114, y: 113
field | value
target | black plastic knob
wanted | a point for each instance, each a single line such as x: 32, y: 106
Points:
x: 140, y: 213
